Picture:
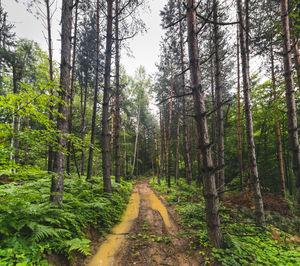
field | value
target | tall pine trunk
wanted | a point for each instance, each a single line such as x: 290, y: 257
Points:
x: 219, y: 100
x: 177, y: 148
x: 117, y: 108
x: 170, y: 131
x: 210, y: 192
x: 57, y: 185
x: 156, y: 157
x: 83, y: 127
x: 290, y: 94
x: 136, y: 141
x: 105, y: 104
x: 71, y: 98
x: 277, y: 127
x: 252, y: 164
x: 93, y: 129
x: 50, y: 58
x: 240, y: 151
x: 187, y: 158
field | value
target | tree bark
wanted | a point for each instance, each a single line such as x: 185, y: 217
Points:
x: 219, y: 99
x: 93, y: 129
x: 83, y: 127
x: 290, y: 94
x: 259, y: 208
x: 240, y: 151
x: 112, y: 111
x: 170, y: 130
x: 105, y: 104
x: 161, y: 169
x: 214, y: 107
x: 117, y: 110
x: 156, y: 156
x: 26, y: 161
x: 165, y: 149
x: 210, y: 192
x: 177, y: 149
x: 57, y: 185
x: 297, y: 60
x: 277, y: 128
x: 186, y: 145
x: 71, y: 98
x: 50, y: 58
x: 136, y: 141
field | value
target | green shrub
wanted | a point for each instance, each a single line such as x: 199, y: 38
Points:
x: 31, y: 226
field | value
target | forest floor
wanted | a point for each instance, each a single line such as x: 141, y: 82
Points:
x: 148, y: 235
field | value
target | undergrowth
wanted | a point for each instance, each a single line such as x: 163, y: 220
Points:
x: 245, y: 243
x: 31, y: 227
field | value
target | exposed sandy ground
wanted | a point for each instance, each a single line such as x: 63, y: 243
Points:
x: 154, y: 238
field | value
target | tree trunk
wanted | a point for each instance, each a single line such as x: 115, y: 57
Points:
x: 177, y: 149
x: 297, y: 60
x: 290, y: 94
x: 219, y: 99
x: 26, y: 161
x: 93, y: 129
x: 210, y: 192
x: 240, y: 151
x: 15, y: 143
x: 117, y: 110
x: 170, y: 131
x: 213, y: 115
x: 136, y: 141
x: 83, y: 127
x: 105, y: 104
x: 165, y: 149
x: 112, y: 137
x: 259, y: 208
x: 71, y: 98
x: 277, y: 128
x: 156, y: 156
x: 162, y: 162
x: 57, y: 186
x: 50, y: 58
x: 186, y: 145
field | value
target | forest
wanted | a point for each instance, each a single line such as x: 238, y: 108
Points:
x: 197, y: 164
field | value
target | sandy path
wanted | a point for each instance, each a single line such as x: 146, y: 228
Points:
x: 147, y: 237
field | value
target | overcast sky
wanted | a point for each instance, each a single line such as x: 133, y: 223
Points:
x: 145, y: 47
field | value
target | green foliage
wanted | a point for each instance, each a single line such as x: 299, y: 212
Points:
x: 245, y: 243
x: 31, y: 226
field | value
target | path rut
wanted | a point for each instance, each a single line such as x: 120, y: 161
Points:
x: 147, y: 235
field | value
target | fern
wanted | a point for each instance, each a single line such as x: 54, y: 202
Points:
x: 41, y: 232
x: 81, y: 245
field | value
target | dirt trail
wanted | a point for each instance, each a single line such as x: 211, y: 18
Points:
x: 154, y: 237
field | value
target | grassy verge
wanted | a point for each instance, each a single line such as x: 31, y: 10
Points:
x: 246, y: 244
x: 31, y: 227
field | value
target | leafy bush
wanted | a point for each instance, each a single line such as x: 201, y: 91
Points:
x: 31, y: 226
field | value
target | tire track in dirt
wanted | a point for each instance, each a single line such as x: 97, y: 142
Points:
x: 154, y: 238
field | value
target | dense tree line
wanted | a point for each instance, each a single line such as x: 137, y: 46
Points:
x: 85, y: 111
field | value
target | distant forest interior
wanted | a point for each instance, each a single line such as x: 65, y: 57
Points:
x: 196, y: 163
